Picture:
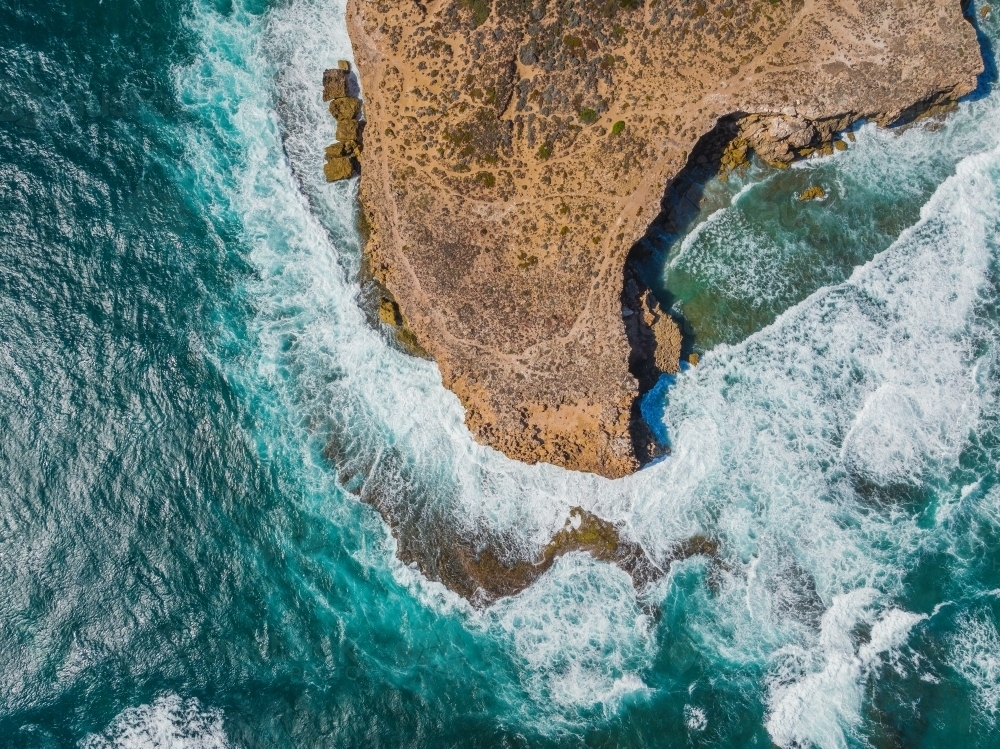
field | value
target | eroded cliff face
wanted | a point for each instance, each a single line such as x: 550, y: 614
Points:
x: 514, y: 151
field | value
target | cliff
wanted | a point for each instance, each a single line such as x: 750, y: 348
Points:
x: 514, y: 151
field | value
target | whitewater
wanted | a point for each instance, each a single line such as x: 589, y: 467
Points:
x: 840, y: 438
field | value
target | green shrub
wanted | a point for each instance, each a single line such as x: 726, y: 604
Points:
x: 587, y: 116
x: 618, y: 127
x: 480, y: 11
x: 573, y: 42
x: 486, y: 179
x: 545, y: 151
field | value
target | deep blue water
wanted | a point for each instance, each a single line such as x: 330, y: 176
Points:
x: 181, y: 339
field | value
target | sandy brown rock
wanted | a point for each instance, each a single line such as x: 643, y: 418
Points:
x: 338, y: 168
x: 347, y: 130
x: 345, y: 108
x: 335, y: 84
x: 516, y: 149
x: 813, y: 193
x: 340, y: 156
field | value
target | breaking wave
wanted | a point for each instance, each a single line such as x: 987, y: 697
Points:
x: 815, y: 449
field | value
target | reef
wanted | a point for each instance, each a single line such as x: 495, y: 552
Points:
x: 515, y: 150
x: 479, y: 563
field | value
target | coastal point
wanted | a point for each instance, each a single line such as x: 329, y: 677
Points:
x: 514, y: 151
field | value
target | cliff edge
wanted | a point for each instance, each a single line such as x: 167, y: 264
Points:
x: 514, y: 151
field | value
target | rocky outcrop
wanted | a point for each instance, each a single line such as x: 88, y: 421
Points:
x: 813, y: 193
x: 516, y: 149
x: 482, y: 565
x: 341, y: 156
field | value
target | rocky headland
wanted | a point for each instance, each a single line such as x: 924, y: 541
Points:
x: 515, y: 150
x: 514, y: 153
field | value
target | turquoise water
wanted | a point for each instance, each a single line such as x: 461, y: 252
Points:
x: 181, y: 340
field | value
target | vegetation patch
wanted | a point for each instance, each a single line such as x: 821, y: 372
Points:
x: 587, y: 116
x: 479, y: 137
x: 480, y: 10
x: 618, y: 127
x: 526, y: 261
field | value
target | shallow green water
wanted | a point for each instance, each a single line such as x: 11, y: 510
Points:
x: 180, y: 341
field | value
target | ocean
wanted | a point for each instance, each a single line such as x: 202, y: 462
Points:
x: 182, y: 337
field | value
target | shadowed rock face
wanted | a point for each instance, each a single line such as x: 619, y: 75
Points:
x: 516, y: 149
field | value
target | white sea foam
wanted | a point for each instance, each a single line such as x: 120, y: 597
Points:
x: 695, y: 718
x: 581, y: 636
x: 813, y: 422
x: 324, y: 365
x: 790, y: 447
x: 169, y: 722
x: 976, y: 656
x: 816, y: 694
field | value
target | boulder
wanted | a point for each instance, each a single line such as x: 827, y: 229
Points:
x: 666, y: 334
x: 347, y: 130
x: 813, y: 193
x: 338, y: 168
x: 336, y: 150
x: 668, y: 344
x: 334, y: 84
x: 345, y: 108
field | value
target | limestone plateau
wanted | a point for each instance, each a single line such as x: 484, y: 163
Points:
x: 515, y: 150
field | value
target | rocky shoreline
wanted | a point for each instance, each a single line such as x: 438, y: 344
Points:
x: 516, y: 150
x: 515, y: 153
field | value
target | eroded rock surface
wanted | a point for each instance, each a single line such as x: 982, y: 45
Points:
x: 341, y: 155
x: 516, y: 149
